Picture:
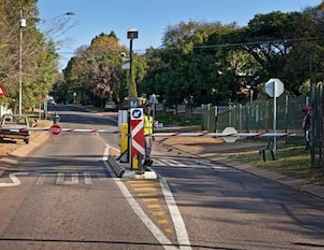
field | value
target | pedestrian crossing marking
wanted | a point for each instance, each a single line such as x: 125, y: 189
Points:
x: 87, y: 178
x: 188, y: 163
x: 69, y: 179
x: 60, y: 179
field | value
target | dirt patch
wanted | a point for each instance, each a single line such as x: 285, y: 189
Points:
x: 208, y: 145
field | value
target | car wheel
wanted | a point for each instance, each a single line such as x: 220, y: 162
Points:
x: 26, y: 141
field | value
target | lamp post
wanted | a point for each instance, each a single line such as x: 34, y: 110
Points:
x: 22, y: 26
x: 131, y: 35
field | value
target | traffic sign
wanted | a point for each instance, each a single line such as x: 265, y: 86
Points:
x: 274, y: 86
x: 137, y: 134
x: 137, y: 114
x: 56, y: 129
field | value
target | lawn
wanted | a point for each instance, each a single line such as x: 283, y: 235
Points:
x: 292, y: 161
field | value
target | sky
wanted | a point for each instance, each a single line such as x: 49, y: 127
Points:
x: 150, y: 17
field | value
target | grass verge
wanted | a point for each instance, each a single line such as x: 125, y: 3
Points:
x: 292, y: 161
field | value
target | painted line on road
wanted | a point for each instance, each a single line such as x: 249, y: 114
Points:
x: 15, y: 181
x: 40, y: 180
x: 157, y: 233
x: 60, y: 179
x: 180, y: 227
x: 87, y: 178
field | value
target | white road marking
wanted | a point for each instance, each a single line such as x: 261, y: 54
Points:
x: 60, y: 179
x: 15, y: 181
x: 158, y: 234
x: 9, y: 160
x: 87, y: 178
x: 75, y: 178
x: 40, y: 180
x: 176, y: 163
x: 165, y: 163
x: 179, y: 225
x: 158, y: 163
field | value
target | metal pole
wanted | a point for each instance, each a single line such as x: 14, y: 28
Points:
x: 20, y: 63
x: 274, y: 118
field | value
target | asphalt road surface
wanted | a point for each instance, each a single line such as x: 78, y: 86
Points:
x: 68, y: 199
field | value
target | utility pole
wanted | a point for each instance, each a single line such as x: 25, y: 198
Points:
x: 22, y: 25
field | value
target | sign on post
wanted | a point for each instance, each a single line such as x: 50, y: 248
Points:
x: 274, y: 88
x: 137, y: 137
x: 56, y: 129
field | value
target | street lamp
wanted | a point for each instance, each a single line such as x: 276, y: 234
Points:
x: 131, y: 35
x: 22, y: 26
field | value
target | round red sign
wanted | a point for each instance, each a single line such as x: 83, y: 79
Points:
x: 56, y: 129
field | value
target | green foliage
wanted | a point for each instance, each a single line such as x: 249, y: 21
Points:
x: 39, y: 54
x: 215, y: 63
x: 95, y: 73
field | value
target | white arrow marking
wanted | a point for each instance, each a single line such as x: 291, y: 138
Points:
x: 15, y: 181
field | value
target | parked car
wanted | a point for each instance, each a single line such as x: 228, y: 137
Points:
x: 15, y: 127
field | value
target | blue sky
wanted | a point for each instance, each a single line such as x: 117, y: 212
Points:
x: 151, y: 17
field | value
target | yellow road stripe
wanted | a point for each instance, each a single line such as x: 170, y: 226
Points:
x: 163, y: 221
x: 145, y: 189
x: 146, y: 195
x: 144, y: 185
x: 154, y: 206
x: 151, y: 200
x: 159, y: 213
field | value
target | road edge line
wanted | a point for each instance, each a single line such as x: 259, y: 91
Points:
x: 179, y: 225
x: 157, y: 233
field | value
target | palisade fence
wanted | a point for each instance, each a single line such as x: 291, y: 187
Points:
x: 257, y: 116
x: 317, y: 102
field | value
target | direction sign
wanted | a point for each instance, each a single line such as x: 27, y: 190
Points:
x: 137, y: 114
x: 137, y: 133
x: 56, y: 129
x: 274, y: 85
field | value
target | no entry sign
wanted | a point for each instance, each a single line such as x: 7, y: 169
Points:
x: 56, y: 129
x: 137, y: 132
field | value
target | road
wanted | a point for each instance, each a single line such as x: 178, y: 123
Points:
x: 69, y: 199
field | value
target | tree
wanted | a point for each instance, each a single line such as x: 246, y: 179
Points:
x: 95, y: 72
x: 39, y: 57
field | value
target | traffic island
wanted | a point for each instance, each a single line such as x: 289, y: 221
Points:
x: 123, y: 170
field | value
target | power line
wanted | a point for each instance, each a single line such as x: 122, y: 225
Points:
x: 224, y: 45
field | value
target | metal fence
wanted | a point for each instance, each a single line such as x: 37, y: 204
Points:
x: 257, y: 116
x: 317, y: 102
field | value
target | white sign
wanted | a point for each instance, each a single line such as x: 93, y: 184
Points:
x: 126, y: 66
x: 137, y: 114
x: 153, y: 99
x: 274, y: 84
